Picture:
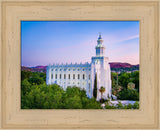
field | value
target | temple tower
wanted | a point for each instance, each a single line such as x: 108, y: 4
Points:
x: 100, y: 48
x: 100, y: 67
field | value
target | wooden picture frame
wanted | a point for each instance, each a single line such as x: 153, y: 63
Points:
x: 145, y: 11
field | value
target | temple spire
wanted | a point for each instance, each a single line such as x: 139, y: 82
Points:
x: 100, y: 48
x: 100, y: 40
x: 100, y: 35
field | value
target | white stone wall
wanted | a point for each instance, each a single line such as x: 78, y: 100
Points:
x: 101, y: 67
x: 63, y: 71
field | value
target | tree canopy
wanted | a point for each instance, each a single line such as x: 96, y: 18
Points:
x: 122, y: 91
x: 35, y: 94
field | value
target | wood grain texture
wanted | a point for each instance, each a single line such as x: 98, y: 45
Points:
x: 147, y: 12
x: 0, y: 70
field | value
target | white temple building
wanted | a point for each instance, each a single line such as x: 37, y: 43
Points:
x: 83, y: 75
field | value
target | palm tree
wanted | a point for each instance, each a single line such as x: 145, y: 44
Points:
x: 102, y: 90
x: 116, y: 89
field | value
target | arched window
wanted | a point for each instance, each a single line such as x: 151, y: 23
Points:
x: 60, y: 76
x: 78, y: 76
x: 83, y: 76
x: 64, y: 76
x: 73, y: 76
x: 51, y: 76
x: 69, y: 76
x: 55, y: 76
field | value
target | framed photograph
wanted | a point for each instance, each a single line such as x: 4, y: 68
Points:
x: 81, y: 76
x: 79, y: 64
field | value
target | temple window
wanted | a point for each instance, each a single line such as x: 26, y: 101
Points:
x: 78, y: 76
x: 83, y: 76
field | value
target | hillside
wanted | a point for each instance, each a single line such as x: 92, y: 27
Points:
x: 121, y: 65
x: 115, y: 66
x: 34, y: 69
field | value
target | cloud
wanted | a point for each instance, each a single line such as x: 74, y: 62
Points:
x: 132, y: 37
x: 118, y: 39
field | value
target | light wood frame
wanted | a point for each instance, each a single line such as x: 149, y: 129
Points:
x: 145, y: 11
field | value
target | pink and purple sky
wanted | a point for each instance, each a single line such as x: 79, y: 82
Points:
x: 48, y: 42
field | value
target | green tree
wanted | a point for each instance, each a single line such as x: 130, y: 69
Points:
x: 25, y: 74
x: 124, y: 79
x: 83, y: 93
x: 128, y: 94
x: 73, y: 103
x: 116, y: 89
x: 135, y: 79
x: 25, y: 87
x: 73, y: 91
x: 107, y: 106
x: 93, y: 104
x: 37, y: 95
x: 129, y: 106
x: 95, y: 87
x: 119, y: 105
x: 136, y: 105
x: 113, y: 78
x: 43, y: 75
x: 36, y: 80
